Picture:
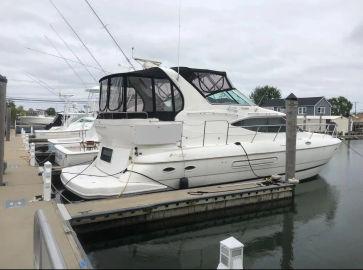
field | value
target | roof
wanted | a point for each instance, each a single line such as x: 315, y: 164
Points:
x: 279, y: 102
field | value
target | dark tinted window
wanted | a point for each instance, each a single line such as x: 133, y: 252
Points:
x: 106, y: 154
x: 268, y: 124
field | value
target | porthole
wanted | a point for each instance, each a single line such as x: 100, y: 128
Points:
x: 188, y: 168
x: 169, y: 169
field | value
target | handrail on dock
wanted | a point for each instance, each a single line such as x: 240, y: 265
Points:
x: 47, y: 254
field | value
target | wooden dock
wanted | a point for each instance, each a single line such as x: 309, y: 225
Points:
x: 18, y: 205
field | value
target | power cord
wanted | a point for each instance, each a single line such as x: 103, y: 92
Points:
x: 248, y: 159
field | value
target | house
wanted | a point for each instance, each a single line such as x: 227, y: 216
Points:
x: 310, y: 106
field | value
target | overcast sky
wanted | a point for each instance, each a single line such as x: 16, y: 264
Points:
x: 311, y: 48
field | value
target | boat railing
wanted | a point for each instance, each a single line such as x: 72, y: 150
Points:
x: 257, y: 130
x: 47, y: 254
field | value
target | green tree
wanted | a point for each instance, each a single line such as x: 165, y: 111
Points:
x: 263, y: 93
x: 50, y: 111
x: 15, y: 110
x: 340, y: 106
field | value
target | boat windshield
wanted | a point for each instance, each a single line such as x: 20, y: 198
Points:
x: 232, y: 96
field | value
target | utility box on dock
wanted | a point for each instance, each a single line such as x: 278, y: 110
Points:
x: 231, y: 254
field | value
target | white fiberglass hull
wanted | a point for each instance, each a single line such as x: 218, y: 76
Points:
x: 36, y: 120
x: 201, y: 165
x: 73, y: 154
x: 57, y: 134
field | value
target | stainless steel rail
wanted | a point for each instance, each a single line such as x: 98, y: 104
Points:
x: 47, y: 254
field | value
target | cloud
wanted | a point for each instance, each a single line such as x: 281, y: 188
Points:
x: 309, y: 47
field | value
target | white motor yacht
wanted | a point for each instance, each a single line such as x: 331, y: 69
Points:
x: 76, y: 125
x: 160, y: 130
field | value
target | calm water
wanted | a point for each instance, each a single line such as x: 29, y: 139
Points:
x: 322, y: 228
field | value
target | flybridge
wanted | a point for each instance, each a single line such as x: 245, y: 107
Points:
x: 152, y: 93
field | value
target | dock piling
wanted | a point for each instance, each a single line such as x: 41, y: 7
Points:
x: 8, y: 123
x: 47, y: 181
x: 291, y: 104
x: 32, y: 154
x: 3, y: 83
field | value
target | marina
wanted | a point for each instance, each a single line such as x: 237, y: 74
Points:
x: 191, y: 141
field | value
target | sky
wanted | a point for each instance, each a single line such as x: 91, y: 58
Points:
x: 308, y: 47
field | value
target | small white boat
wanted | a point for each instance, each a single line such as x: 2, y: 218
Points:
x: 75, y: 151
x: 160, y: 130
x: 35, y: 120
x: 78, y: 128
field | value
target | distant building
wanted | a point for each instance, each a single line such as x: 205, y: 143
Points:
x: 311, y: 106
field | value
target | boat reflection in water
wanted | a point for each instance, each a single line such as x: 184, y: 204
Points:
x: 268, y: 235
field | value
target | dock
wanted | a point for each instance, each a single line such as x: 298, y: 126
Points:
x: 22, y: 197
x: 18, y: 206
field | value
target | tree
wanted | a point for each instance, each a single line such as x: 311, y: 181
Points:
x: 264, y: 93
x: 15, y: 110
x: 340, y: 106
x: 50, y: 111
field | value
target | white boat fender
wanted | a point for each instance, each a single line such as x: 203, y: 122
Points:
x: 294, y: 181
x: 275, y: 177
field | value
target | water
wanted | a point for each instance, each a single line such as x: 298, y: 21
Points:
x: 322, y: 228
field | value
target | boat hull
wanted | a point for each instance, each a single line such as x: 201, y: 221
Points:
x: 199, y: 166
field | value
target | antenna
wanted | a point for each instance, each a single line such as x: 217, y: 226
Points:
x: 70, y: 60
x: 111, y: 36
x: 78, y: 37
x: 68, y: 64
x: 179, y: 40
x: 74, y: 54
x: 259, y: 103
x: 42, y: 83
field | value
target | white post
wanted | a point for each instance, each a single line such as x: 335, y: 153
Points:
x: 31, y: 130
x: 47, y: 181
x: 230, y: 254
x: 26, y: 142
x: 32, y: 154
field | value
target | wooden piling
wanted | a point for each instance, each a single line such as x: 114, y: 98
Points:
x: 3, y: 82
x: 291, y: 104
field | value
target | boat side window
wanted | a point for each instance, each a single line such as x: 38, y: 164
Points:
x: 178, y: 99
x: 207, y: 82
x: 115, y: 94
x: 163, y: 95
x: 134, y: 102
x: 142, y: 88
x: 103, y: 94
x: 262, y: 124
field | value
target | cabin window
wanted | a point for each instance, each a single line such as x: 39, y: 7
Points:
x: 106, y: 154
x: 178, y: 100
x: 103, y: 94
x: 142, y: 87
x: 116, y: 94
x: 163, y: 95
x: 262, y: 124
x: 208, y: 82
x: 134, y: 102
